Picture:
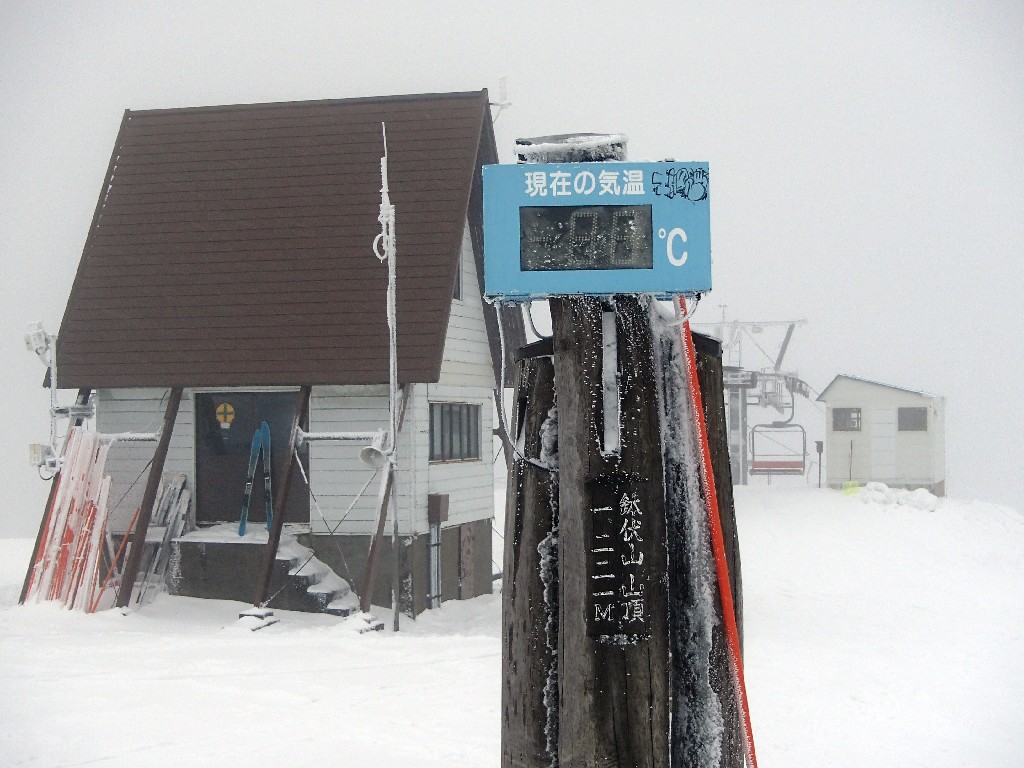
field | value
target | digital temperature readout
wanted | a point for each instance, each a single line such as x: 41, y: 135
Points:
x: 596, y: 229
x: 585, y: 237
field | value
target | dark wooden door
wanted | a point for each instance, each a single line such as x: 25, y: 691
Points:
x: 225, y: 422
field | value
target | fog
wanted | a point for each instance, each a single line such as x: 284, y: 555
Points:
x: 866, y: 162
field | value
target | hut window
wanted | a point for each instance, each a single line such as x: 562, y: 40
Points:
x: 454, y: 432
x: 912, y: 419
x: 846, y: 419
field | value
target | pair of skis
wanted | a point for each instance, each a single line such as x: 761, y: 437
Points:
x: 260, y: 446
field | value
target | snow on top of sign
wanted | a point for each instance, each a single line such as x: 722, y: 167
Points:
x: 573, y: 148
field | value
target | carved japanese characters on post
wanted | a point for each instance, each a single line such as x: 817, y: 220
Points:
x: 617, y: 570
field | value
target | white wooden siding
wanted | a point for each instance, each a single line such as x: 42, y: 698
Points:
x: 141, y: 410
x: 469, y: 484
x: 337, y: 474
x: 467, y: 376
x: 467, y: 354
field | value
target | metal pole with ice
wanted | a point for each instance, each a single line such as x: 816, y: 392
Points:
x: 384, y: 248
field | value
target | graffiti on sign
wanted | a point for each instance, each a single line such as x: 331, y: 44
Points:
x: 619, y: 578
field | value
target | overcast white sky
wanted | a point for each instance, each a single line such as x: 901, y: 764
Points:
x: 866, y: 160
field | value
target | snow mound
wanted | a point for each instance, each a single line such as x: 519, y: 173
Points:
x: 880, y: 493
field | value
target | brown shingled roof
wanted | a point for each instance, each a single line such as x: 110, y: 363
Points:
x: 231, y: 246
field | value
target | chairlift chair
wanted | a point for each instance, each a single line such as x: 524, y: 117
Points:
x: 778, y: 448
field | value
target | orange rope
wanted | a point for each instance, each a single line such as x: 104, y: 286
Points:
x: 717, y: 538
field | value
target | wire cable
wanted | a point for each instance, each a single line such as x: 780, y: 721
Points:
x: 501, y: 401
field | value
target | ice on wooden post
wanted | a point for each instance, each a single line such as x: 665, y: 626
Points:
x: 610, y: 385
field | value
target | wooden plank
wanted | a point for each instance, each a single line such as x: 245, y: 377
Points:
x: 227, y: 207
x: 236, y: 298
x: 342, y: 245
x: 614, y: 699
x: 251, y: 231
x: 704, y: 681
x: 260, y: 146
x: 230, y: 186
x: 529, y: 725
x: 408, y: 137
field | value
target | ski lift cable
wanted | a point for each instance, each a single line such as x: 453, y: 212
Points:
x: 771, y: 439
x: 129, y: 490
x: 332, y: 531
x: 359, y: 495
x: 767, y: 356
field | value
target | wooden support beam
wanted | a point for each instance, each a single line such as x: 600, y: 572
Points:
x: 529, y: 595
x: 370, y: 572
x: 284, y: 482
x: 710, y: 376
x: 156, y: 470
x: 82, y: 399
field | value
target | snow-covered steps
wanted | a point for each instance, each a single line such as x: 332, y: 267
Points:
x: 218, y: 563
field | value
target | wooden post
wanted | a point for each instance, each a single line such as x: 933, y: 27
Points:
x: 370, y: 572
x: 709, y: 374
x: 705, y: 708
x: 138, y: 546
x: 284, y: 482
x: 712, y: 389
x: 614, y: 693
x: 82, y: 399
x: 529, y: 594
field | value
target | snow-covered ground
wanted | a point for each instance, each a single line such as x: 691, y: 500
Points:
x: 877, y: 634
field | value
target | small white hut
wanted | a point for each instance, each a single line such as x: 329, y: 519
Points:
x: 878, y: 432
x: 230, y: 256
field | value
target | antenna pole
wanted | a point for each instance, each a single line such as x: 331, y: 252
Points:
x: 384, y: 247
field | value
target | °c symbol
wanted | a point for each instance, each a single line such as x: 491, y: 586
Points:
x: 680, y: 233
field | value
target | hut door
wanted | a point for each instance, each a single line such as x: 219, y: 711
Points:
x: 225, y: 422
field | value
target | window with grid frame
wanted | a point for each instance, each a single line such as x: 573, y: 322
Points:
x: 454, y: 432
x: 846, y: 420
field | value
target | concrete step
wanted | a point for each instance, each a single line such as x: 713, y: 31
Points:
x: 218, y: 563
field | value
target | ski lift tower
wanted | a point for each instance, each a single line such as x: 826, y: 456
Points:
x: 766, y: 387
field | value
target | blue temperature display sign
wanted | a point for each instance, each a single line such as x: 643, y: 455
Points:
x: 596, y: 229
